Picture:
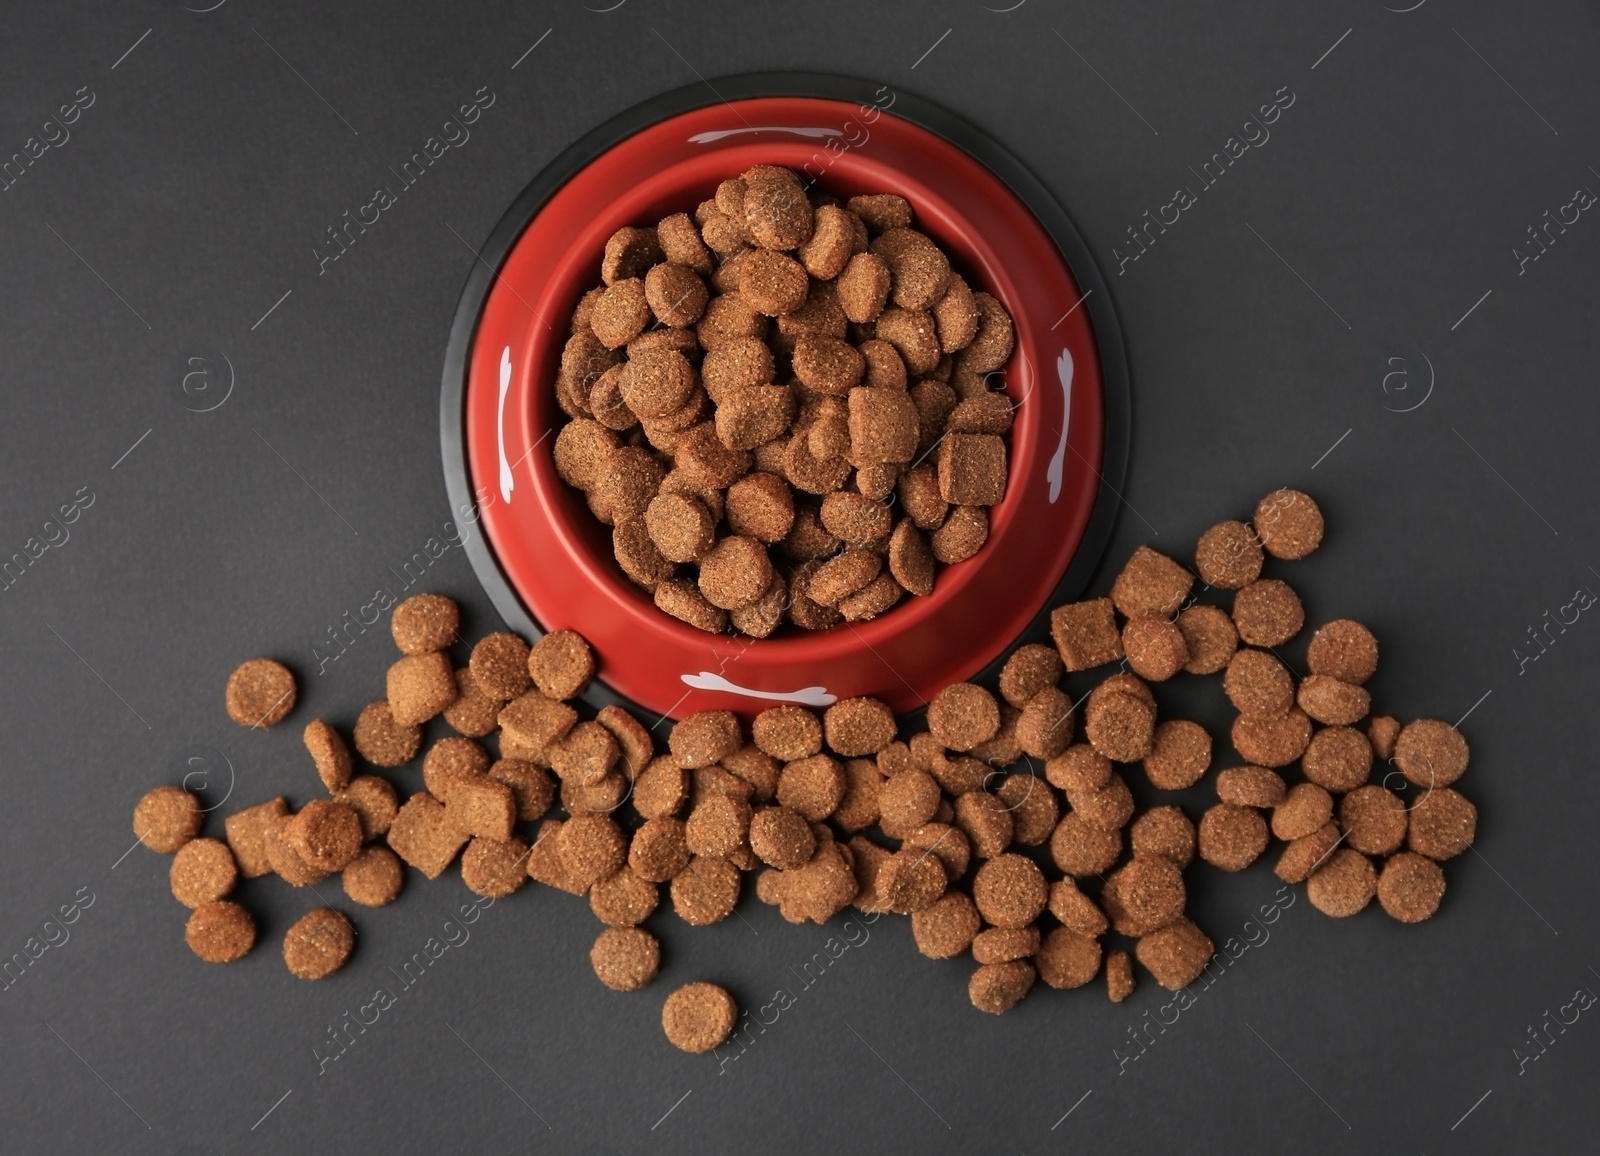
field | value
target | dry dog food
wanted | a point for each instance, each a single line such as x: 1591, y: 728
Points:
x: 698, y: 1016
x: 744, y: 438
x: 318, y: 943
x: 220, y: 932
x: 261, y: 693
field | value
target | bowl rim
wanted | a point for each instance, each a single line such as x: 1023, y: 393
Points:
x: 1097, y: 302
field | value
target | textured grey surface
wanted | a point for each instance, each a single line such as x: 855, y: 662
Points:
x: 1389, y: 199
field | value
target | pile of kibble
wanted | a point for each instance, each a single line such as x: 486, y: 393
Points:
x: 948, y: 825
x: 748, y: 442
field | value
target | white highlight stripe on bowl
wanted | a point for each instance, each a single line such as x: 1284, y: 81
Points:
x: 722, y: 134
x: 507, y: 483
x: 1053, y: 474
x: 805, y: 696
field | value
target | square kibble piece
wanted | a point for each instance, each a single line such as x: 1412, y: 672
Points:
x: 972, y: 469
x: 883, y: 425
x: 536, y: 722
x: 483, y: 807
x: 1151, y: 583
x: 424, y: 836
x: 1086, y: 633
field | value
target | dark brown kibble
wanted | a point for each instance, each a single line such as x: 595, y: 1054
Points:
x: 620, y: 313
x: 1180, y: 754
x: 424, y: 836
x: 963, y: 715
x: 473, y: 713
x: 1210, y: 637
x: 1154, y: 645
x: 260, y: 693
x: 373, y: 878
x: 1078, y: 768
x: 1430, y: 753
x: 962, y: 535
x: 946, y: 927
x: 1374, y: 820
x: 1010, y: 891
x: 1338, y: 758
x: 1272, y: 742
x: 682, y: 599
x: 247, y: 834
x: 1076, y: 910
x: 1251, y: 787
x: 1258, y: 684
x: 996, y: 988
x: 1443, y: 824
x: 425, y: 622
x: 1343, y: 885
x: 1150, y: 583
x: 628, y: 253
x: 203, y: 871
x: 1267, y: 613
x: 1304, y: 855
x: 1120, y: 726
x: 1382, y: 732
x: 494, y: 868
x: 1004, y: 944
x: 1165, y: 831
x: 812, y: 786
x: 1176, y: 955
x: 499, y: 666
x: 419, y: 687
x: 625, y: 958
x: 681, y: 244
x: 1144, y: 895
x: 1119, y: 976
x: 1410, y: 887
x: 1332, y: 702
x: 858, y: 726
x: 675, y: 294
x: 1083, y: 850
x: 1228, y: 556
x: 1345, y: 650
x: 166, y: 818
x: 534, y: 722
x: 698, y: 1016
x: 318, y: 944
x: 1289, y: 523
x: 561, y: 664
x: 220, y: 932
x: 1305, y: 808
x: 1231, y: 838
x: 991, y: 347
x: 1086, y: 634
x: 1029, y: 670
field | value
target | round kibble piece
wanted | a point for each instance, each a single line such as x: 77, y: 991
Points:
x: 1176, y: 955
x: 202, y: 872
x: 1210, y: 637
x: 374, y: 878
x: 998, y: 987
x: 1004, y: 944
x: 382, y: 741
x: 1268, y: 613
x: 260, y: 693
x: 963, y: 715
x: 499, y: 665
x: 1154, y: 646
x: 624, y: 899
x: 1272, y: 742
x: 813, y: 786
x: 419, y: 687
x: 220, y: 932
x: 1374, y: 820
x: 328, y: 752
x: 947, y: 926
x: 735, y: 573
x: 1143, y: 896
x: 698, y: 1016
x: 1228, y: 556
x: 318, y: 944
x: 1078, y: 768
x: 591, y: 847
x: 1231, y: 838
x: 1034, y: 810
x: 561, y: 664
x: 717, y: 825
x: 620, y: 313
x: 326, y: 835
x: 906, y: 801
x: 660, y: 849
x: 1258, y: 684
x: 1304, y: 809
x: 1343, y: 885
x: 1343, y: 649
x: 1066, y: 959
x: 675, y: 294
x: 855, y: 727
x: 1338, y: 758
x: 706, y: 891
x: 1410, y: 887
x: 494, y: 868
x: 1430, y: 753
x: 1289, y: 523
x: 1165, y: 831
x: 1332, y: 702
x: 166, y: 818
x: 424, y: 623
x: 625, y: 958
x: 704, y: 737
x: 1443, y: 824
x: 781, y: 838
x: 1303, y: 855
x: 1082, y: 849
x: 473, y: 713
x: 1010, y: 890
x: 1180, y: 752
x: 787, y: 732
x: 1120, y: 726
x: 1029, y: 670
x: 1251, y: 787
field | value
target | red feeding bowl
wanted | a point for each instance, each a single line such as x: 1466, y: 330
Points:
x: 547, y: 562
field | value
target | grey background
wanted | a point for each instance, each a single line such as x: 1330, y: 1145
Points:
x: 187, y: 202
